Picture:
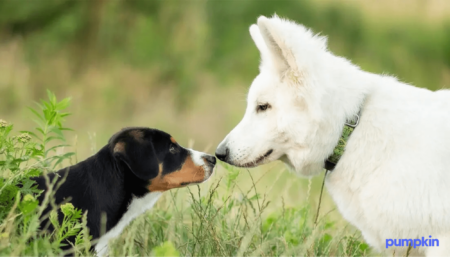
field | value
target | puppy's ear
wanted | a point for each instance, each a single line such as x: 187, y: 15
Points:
x: 140, y: 157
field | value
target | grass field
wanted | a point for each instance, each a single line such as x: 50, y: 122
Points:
x: 223, y: 218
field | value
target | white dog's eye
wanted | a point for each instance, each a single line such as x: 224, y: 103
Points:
x: 262, y: 107
x: 172, y: 149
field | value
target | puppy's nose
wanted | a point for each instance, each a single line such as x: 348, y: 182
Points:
x: 211, y: 159
x: 222, y: 153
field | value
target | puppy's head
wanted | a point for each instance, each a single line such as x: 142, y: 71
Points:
x: 155, y: 157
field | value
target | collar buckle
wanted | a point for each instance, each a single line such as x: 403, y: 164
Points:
x: 353, y: 122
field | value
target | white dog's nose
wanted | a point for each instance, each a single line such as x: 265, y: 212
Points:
x: 222, y: 152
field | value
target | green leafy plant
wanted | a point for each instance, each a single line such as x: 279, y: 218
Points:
x: 30, y: 154
x: 70, y: 227
x: 50, y: 128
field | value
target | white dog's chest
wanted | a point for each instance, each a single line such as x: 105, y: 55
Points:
x: 352, y: 207
x: 394, y: 203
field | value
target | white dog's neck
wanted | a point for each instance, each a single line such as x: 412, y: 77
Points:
x: 347, y: 89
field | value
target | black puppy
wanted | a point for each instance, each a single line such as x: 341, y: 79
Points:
x: 125, y: 178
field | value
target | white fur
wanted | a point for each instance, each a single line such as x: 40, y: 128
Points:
x: 136, y: 208
x: 393, y: 180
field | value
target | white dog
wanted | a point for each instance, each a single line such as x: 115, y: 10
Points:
x: 393, y: 180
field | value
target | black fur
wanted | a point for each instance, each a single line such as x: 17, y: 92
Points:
x: 107, y: 181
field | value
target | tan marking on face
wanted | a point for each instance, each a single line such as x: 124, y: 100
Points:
x: 137, y: 134
x: 189, y: 173
x: 119, y: 147
x: 173, y: 140
x: 160, y: 168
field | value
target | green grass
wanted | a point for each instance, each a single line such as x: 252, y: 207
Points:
x: 217, y: 218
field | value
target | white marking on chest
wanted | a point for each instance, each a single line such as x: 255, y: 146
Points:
x: 136, y: 208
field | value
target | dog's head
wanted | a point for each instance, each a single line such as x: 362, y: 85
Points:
x: 154, y: 157
x: 285, y: 104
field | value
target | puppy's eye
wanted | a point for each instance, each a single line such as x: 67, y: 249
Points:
x: 172, y: 149
x: 262, y: 107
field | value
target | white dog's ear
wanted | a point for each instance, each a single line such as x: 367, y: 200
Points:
x: 259, y: 42
x: 280, y: 53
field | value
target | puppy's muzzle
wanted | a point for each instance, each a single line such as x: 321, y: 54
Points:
x: 210, y: 163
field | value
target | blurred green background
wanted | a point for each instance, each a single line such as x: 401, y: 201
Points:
x: 185, y: 66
